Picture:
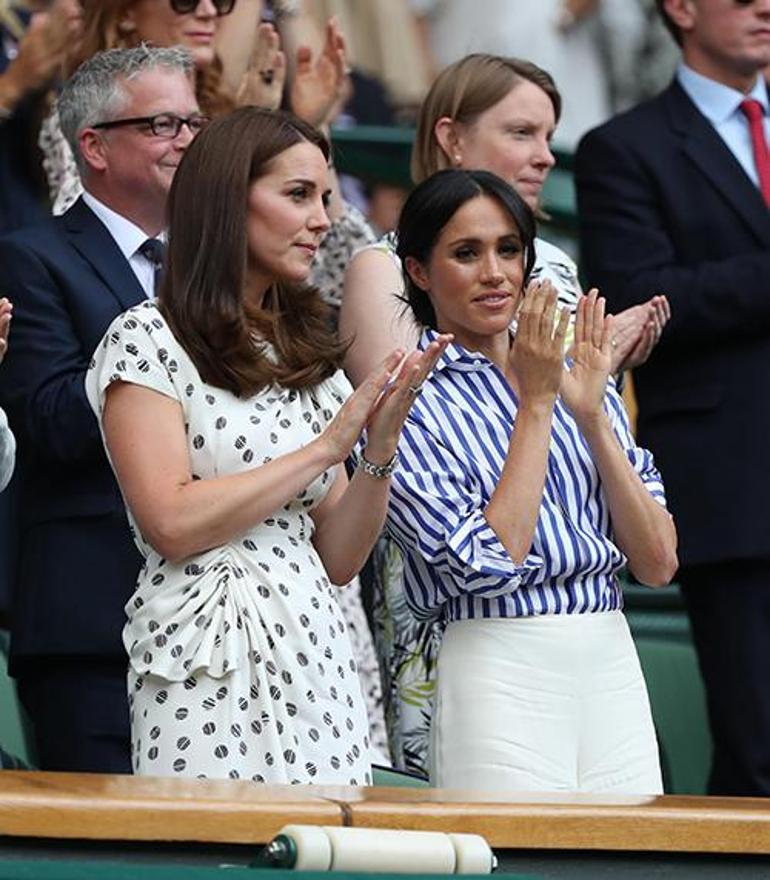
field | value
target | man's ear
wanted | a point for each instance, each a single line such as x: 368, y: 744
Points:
x: 683, y: 13
x: 93, y: 149
x: 447, y: 135
x: 417, y: 273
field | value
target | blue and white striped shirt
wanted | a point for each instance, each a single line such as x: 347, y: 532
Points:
x: 452, y: 452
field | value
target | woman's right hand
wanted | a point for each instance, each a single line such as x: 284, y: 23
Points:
x: 537, y: 353
x: 262, y: 83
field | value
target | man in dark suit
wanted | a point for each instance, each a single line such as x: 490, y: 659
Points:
x: 673, y: 198
x: 129, y: 115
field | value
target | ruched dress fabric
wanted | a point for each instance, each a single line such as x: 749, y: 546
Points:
x: 240, y: 664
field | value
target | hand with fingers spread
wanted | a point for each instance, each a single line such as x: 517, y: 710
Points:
x: 537, y: 353
x: 318, y: 83
x: 262, y: 83
x: 6, y: 313
x: 584, y: 384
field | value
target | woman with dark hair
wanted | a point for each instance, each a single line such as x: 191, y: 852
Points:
x: 498, y: 114
x: 520, y: 495
x: 225, y: 417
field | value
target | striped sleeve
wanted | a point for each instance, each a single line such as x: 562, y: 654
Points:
x: 436, y: 512
x: 641, y: 459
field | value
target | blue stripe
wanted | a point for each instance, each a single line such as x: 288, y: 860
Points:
x: 453, y: 449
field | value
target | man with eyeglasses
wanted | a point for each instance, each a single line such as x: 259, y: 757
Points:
x: 129, y: 115
x: 674, y: 198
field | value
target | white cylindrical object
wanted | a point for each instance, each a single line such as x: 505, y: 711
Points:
x: 398, y: 852
x: 314, y: 849
x: 388, y: 850
x: 472, y: 854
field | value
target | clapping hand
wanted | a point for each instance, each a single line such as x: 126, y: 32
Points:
x: 584, y: 384
x: 537, y: 353
x: 637, y: 331
x: 381, y: 404
x: 45, y: 46
x: 262, y: 83
x: 317, y: 84
x: 6, y: 313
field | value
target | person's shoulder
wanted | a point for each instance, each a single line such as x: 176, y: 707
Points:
x: 35, y: 236
x: 641, y: 122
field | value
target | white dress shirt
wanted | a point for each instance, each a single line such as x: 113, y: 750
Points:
x: 721, y: 105
x: 129, y: 238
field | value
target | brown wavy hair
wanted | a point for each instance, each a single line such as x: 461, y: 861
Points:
x: 101, y: 31
x: 202, y: 297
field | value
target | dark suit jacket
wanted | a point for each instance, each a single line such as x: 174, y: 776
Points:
x: 78, y: 565
x: 666, y: 208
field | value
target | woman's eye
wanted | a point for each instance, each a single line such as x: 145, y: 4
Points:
x: 464, y: 253
x: 510, y: 249
x: 299, y: 193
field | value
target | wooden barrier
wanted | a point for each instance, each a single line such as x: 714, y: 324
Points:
x: 63, y: 806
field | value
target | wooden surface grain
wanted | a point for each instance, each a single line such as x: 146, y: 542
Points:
x: 102, y: 807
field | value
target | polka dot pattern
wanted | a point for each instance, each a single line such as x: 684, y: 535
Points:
x: 239, y: 657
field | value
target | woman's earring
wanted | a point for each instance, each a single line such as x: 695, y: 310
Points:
x: 456, y: 159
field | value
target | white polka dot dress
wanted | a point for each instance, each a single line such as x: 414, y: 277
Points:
x: 240, y: 663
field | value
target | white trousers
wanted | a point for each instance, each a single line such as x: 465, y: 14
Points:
x: 551, y: 703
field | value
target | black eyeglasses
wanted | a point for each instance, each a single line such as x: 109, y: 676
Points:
x: 181, y: 7
x: 164, y: 125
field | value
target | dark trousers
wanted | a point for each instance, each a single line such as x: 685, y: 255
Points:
x: 78, y: 707
x: 729, y: 609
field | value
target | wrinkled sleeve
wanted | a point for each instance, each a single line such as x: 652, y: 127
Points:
x: 130, y: 351
x: 641, y: 459
x: 436, y: 514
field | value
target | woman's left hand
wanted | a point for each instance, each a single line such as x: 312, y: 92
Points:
x: 317, y: 85
x: 389, y: 413
x: 262, y: 83
x: 583, y: 385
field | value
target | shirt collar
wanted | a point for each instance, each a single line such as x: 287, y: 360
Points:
x: 128, y: 236
x: 454, y: 357
x: 716, y: 101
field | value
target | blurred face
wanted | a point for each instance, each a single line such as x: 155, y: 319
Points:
x: 475, y: 273
x: 726, y: 40
x: 134, y: 167
x: 154, y: 21
x: 512, y: 139
x: 287, y: 216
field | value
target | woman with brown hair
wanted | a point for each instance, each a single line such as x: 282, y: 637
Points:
x: 227, y: 421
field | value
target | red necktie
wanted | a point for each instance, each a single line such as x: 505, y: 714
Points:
x: 754, y: 112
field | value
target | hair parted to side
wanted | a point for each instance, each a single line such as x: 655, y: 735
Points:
x: 102, y: 30
x: 203, y: 292
x: 432, y: 204
x: 95, y: 93
x: 668, y: 21
x: 465, y: 90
